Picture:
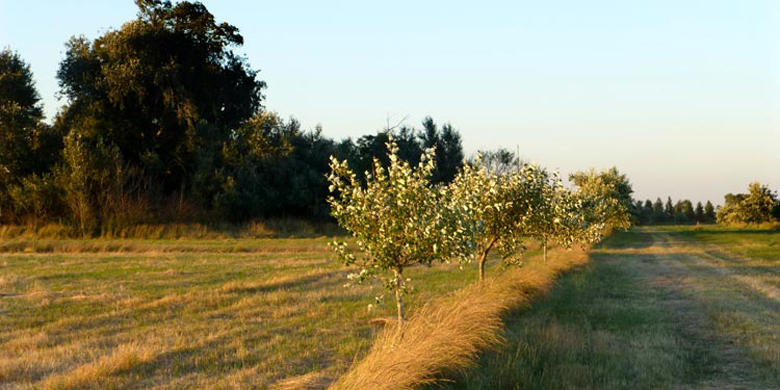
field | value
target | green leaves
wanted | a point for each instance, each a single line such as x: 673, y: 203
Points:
x: 395, y: 217
x: 398, y: 218
x: 756, y: 206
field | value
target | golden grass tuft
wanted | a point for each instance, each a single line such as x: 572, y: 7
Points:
x: 448, y: 335
x: 311, y: 381
x: 124, y: 358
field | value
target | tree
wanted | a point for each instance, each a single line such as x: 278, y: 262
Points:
x: 449, y: 151
x: 488, y: 209
x: 683, y: 211
x: 160, y: 88
x: 647, y: 212
x: 730, y: 211
x: 754, y: 207
x: 698, y: 214
x: 565, y: 217
x: 500, y: 161
x: 709, y: 212
x: 27, y: 145
x: 35, y: 194
x: 669, y: 210
x: 757, y: 206
x: 658, y: 211
x: 606, y: 197
x: 395, y: 218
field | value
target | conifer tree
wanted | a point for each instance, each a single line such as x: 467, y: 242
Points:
x: 709, y: 212
x: 669, y: 210
x: 699, y: 212
x: 658, y: 211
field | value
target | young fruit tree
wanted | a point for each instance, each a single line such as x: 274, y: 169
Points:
x: 484, y: 205
x: 606, y: 198
x: 556, y: 215
x: 395, y: 219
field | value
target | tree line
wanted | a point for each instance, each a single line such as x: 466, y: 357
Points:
x: 680, y: 212
x: 759, y: 205
x: 163, y: 122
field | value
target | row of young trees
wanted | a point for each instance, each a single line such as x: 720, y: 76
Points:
x: 680, y: 212
x: 400, y: 217
x: 164, y: 122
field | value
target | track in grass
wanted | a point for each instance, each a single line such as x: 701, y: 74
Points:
x: 658, y: 308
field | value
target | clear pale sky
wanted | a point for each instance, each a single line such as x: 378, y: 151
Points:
x: 683, y: 96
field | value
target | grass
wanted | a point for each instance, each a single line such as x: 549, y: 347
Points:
x: 657, y: 308
x: 276, y: 228
x: 667, y: 307
x: 447, y: 335
x: 210, y: 318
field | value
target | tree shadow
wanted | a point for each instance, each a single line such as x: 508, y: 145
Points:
x: 633, y: 239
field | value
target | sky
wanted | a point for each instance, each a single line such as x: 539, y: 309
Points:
x: 682, y: 96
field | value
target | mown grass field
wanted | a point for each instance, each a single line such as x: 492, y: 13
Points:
x: 165, y: 314
x: 658, y: 308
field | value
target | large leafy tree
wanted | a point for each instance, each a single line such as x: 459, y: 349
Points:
x: 20, y: 114
x: 27, y: 145
x: 754, y: 207
x: 161, y: 87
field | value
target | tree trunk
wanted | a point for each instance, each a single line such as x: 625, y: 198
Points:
x: 482, y: 259
x: 544, y: 244
x: 399, y: 299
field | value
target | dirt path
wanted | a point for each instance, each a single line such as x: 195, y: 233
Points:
x: 699, y: 286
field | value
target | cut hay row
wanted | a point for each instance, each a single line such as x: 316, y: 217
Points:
x: 448, y: 334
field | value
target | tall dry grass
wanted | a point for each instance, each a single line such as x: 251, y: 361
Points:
x: 270, y: 228
x: 448, y: 334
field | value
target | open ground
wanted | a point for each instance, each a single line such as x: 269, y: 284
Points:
x: 662, y: 307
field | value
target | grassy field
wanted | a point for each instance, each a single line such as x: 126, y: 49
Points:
x: 665, y: 307
x: 165, y: 314
x: 658, y: 308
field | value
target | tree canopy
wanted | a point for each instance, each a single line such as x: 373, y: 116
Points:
x: 757, y: 206
x: 160, y: 87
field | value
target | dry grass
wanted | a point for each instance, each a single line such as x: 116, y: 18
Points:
x: 122, y: 359
x: 276, y: 228
x: 204, y: 319
x: 449, y: 334
x: 236, y: 314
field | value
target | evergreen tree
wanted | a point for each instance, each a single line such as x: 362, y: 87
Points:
x: 687, y: 211
x: 679, y: 214
x: 449, y: 149
x: 669, y: 210
x: 699, y: 212
x: 658, y: 211
x: 647, y: 212
x: 709, y: 212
